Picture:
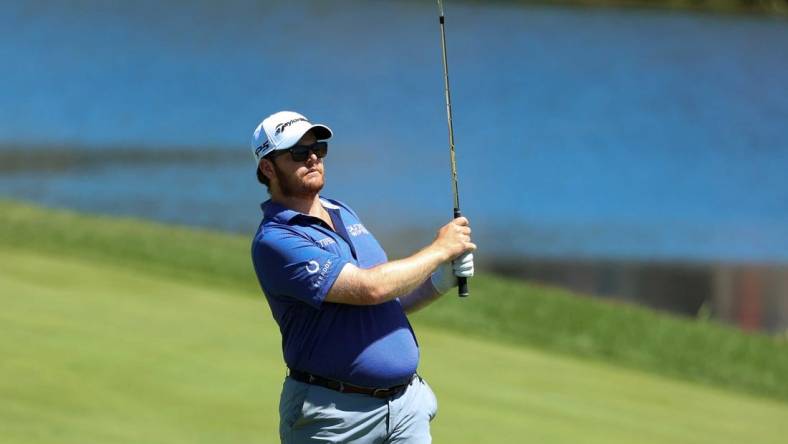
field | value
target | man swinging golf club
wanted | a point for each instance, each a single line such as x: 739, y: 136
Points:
x: 340, y: 304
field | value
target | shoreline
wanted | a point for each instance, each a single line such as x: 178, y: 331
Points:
x: 747, y: 295
x: 775, y: 8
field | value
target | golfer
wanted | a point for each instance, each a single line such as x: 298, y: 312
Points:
x: 340, y: 304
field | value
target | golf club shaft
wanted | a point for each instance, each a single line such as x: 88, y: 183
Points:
x: 462, y: 282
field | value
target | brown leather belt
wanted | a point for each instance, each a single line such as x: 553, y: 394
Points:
x: 344, y: 387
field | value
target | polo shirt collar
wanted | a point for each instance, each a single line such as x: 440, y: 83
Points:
x: 281, y: 214
x: 328, y: 204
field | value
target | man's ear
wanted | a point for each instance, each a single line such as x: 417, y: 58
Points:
x: 267, y: 168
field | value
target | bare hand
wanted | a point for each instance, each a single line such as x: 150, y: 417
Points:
x: 454, y: 239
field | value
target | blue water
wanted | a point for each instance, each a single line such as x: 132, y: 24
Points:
x: 580, y: 133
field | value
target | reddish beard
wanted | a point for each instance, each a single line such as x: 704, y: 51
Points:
x: 293, y: 186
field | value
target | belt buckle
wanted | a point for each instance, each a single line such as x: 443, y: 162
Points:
x: 375, y: 393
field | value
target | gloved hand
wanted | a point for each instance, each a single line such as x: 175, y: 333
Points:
x: 445, y: 277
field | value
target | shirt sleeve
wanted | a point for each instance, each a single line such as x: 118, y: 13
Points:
x: 288, y: 264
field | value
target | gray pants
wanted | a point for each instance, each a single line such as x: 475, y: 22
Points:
x: 312, y: 414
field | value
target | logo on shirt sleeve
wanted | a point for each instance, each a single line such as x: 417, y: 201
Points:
x: 312, y: 267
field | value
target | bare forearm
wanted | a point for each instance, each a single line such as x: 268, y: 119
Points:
x: 386, y: 281
x: 419, y: 298
x: 393, y: 279
x: 400, y: 277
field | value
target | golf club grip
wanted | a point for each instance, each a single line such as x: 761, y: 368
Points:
x: 462, y: 282
x: 462, y: 287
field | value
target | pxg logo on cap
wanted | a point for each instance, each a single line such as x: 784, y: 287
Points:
x: 281, y: 130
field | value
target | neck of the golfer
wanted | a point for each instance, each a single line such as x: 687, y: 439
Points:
x: 302, y: 204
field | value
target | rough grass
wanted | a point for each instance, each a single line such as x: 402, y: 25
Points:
x: 499, y: 309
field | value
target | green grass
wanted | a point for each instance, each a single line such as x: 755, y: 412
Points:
x: 96, y: 352
x: 196, y: 255
x: 500, y: 309
x: 550, y: 319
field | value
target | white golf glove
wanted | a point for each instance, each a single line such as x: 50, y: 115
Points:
x: 445, y: 277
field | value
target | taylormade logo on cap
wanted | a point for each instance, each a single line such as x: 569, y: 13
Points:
x: 282, y: 126
x: 281, y: 130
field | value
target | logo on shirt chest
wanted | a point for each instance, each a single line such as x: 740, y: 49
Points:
x: 356, y: 230
x: 326, y: 242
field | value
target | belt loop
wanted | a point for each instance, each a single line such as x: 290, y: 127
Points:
x: 341, y: 387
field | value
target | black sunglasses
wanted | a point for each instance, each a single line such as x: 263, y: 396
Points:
x: 300, y: 153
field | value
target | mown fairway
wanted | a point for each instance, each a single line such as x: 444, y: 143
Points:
x: 97, y: 352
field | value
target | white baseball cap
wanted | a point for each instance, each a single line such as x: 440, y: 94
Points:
x: 282, y: 130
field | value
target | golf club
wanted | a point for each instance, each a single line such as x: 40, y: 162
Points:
x: 462, y: 282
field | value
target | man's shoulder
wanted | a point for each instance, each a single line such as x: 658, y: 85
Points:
x: 272, y: 234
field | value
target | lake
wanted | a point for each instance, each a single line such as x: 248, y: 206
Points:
x: 595, y: 134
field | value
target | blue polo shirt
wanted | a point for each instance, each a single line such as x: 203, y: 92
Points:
x: 297, y: 258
